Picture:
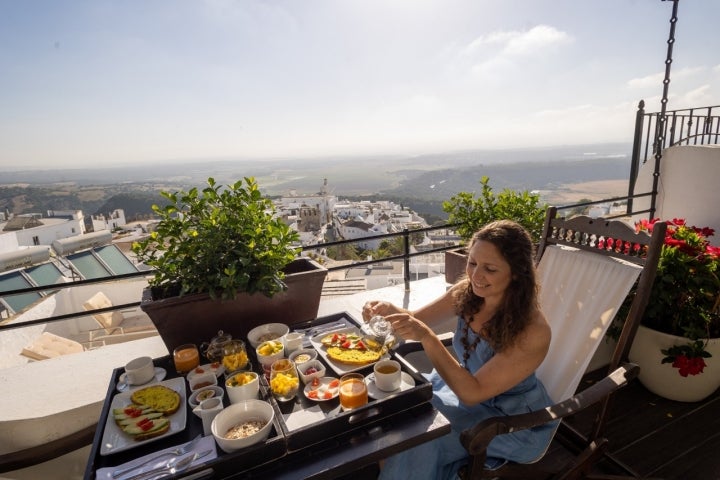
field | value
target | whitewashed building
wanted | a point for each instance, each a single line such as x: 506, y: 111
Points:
x: 33, y: 229
x: 111, y: 221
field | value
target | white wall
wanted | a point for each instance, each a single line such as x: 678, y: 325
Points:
x: 688, y: 186
x: 49, y: 233
x: 8, y: 242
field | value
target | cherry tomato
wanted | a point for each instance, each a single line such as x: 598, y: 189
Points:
x: 327, y: 395
x: 335, y: 338
x: 360, y: 345
x: 146, y: 426
x: 132, y: 412
x: 346, y: 344
x: 334, y: 384
x: 315, y: 382
x: 312, y: 394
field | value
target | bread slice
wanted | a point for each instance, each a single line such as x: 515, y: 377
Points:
x: 158, y: 397
x: 353, y: 356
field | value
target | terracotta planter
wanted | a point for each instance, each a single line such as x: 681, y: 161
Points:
x: 455, y: 262
x: 662, y: 378
x: 197, y: 318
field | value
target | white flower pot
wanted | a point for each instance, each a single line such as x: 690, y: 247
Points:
x: 665, y: 380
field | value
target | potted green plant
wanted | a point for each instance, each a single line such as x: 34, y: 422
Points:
x: 222, y: 259
x: 472, y: 212
x: 678, y: 343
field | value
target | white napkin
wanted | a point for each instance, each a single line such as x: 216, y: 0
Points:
x: 205, y: 443
x: 303, y: 417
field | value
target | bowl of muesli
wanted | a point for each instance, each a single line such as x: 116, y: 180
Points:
x: 243, y: 424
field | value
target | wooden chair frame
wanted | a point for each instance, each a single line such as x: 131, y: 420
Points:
x: 613, y: 238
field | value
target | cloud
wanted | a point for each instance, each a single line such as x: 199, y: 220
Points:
x: 494, y: 56
x: 652, y: 81
x: 697, y: 97
x: 519, y: 43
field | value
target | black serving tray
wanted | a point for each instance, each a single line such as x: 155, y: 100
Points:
x: 337, y: 422
x: 224, y: 465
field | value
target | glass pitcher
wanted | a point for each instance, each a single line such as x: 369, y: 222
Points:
x: 213, y: 350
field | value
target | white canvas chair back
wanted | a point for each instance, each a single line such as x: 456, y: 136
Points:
x: 580, y: 293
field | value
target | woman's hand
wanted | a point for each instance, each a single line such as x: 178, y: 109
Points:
x: 377, y: 307
x: 408, y: 327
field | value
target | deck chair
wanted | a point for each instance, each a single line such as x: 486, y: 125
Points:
x: 586, y: 268
x: 114, y: 325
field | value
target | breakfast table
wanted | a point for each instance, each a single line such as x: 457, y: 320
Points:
x: 317, y: 440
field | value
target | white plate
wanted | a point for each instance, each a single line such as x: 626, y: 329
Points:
x: 114, y: 440
x: 339, y: 368
x: 208, y: 367
x: 407, y: 382
x: 323, y: 387
x: 122, y: 386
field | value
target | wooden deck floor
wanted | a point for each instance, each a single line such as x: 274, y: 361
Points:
x: 660, y: 438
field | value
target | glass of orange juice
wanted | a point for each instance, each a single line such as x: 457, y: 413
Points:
x: 353, y: 391
x: 186, y: 358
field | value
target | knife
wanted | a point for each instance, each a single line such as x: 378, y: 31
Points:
x: 171, y: 467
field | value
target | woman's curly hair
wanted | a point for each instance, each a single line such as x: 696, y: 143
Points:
x: 521, y: 296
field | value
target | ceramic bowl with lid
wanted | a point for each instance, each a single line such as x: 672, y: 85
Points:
x: 204, y: 393
x: 302, y: 356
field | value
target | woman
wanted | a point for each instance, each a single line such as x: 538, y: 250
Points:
x: 501, y: 338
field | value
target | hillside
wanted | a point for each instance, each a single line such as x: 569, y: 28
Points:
x: 420, y: 182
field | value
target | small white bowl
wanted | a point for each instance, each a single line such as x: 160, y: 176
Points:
x: 268, y: 331
x: 246, y: 391
x: 237, y: 414
x: 202, y: 380
x: 309, y: 353
x: 267, y: 360
x: 307, y: 377
x: 216, y: 390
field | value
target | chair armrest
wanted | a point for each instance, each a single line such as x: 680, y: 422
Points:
x: 477, y: 438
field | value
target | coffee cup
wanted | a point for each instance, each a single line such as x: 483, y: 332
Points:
x: 387, y: 375
x: 139, y: 370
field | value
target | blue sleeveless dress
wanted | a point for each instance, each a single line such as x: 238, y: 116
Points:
x: 441, y: 458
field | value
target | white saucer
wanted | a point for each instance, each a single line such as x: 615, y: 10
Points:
x: 123, y: 386
x: 406, y: 382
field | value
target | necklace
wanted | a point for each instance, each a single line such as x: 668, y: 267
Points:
x: 467, y: 346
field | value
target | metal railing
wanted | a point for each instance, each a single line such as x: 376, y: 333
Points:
x: 405, y: 256
x: 690, y: 126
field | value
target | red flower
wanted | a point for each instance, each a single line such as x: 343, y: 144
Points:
x: 678, y: 221
x: 689, y: 366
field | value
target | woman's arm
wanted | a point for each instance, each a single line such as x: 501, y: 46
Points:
x: 499, y: 374
x: 434, y: 312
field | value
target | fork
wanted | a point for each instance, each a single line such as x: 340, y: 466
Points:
x: 176, y: 452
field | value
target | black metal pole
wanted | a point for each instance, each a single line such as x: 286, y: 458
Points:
x: 661, y: 127
x: 635, y: 159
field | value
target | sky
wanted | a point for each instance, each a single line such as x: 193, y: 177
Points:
x: 116, y: 82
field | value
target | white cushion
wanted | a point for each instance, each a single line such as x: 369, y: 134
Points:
x: 108, y: 320
x: 49, y: 345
